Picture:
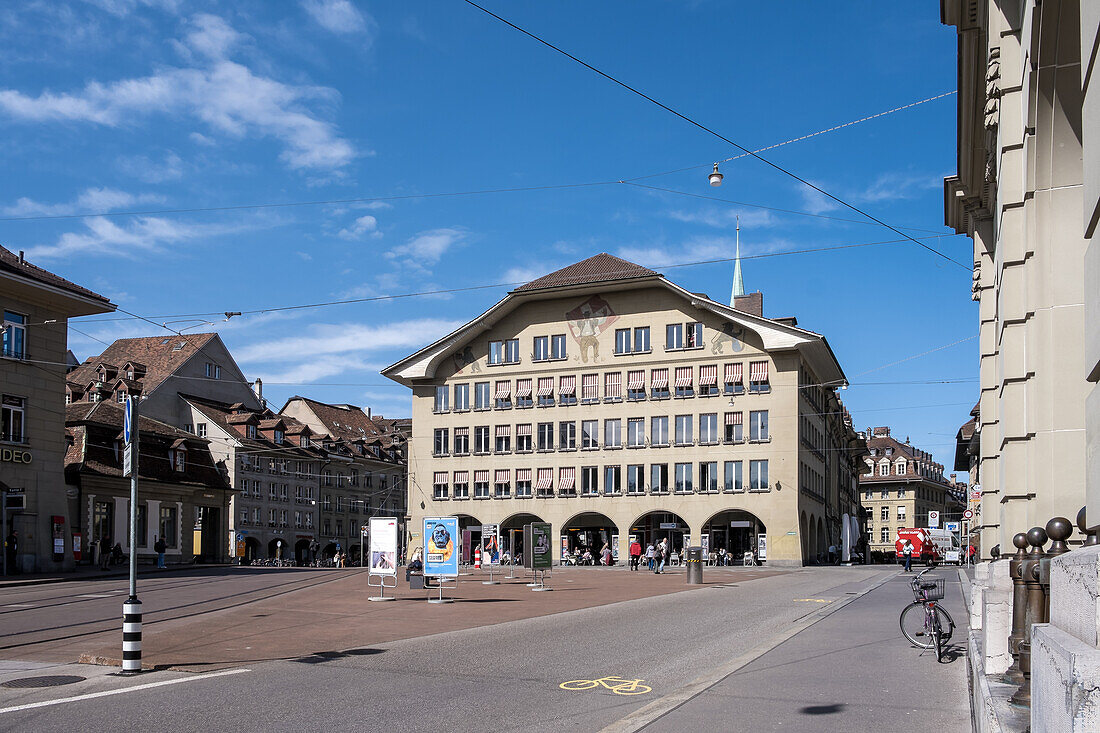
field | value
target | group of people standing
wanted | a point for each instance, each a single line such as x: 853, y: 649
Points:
x: 656, y: 555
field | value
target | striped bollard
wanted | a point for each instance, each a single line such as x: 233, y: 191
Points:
x: 131, y: 636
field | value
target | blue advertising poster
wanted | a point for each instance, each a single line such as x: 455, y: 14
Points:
x: 441, y: 546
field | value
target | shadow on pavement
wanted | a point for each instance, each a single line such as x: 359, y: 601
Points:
x: 823, y: 709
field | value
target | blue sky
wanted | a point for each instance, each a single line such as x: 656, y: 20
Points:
x: 121, y: 105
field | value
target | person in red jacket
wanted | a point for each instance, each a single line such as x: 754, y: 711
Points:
x: 635, y: 554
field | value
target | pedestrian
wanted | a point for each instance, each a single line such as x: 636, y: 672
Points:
x: 650, y: 550
x: 635, y: 554
x: 659, y: 558
x: 161, y: 547
x: 832, y: 554
x: 907, y: 554
x: 11, y: 546
x: 605, y: 554
x: 104, y: 552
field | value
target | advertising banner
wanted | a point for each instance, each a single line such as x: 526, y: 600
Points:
x: 705, y: 542
x: 490, y: 544
x: 542, y: 549
x: 615, y: 546
x: 467, y: 546
x: 527, y: 541
x: 441, y: 546
x: 383, y: 546
x: 761, y: 547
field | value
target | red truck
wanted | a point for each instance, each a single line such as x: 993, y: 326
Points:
x: 928, y: 545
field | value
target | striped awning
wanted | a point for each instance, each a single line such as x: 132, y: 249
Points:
x: 567, y: 478
x: 523, y: 388
x: 758, y: 371
x: 500, y: 476
x: 546, y: 479
x: 683, y: 377
x: 567, y: 386
x: 462, y: 477
x: 733, y: 418
x: 504, y: 390
x: 503, y: 431
x: 546, y: 386
x: 440, y: 478
x: 636, y: 380
x: 708, y: 375
x: 524, y: 429
x: 481, y: 477
x: 660, y: 378
x: 613, y: 384
x: 462, y: 432
x: 590, y: 385
x: 523, y: 474
x: 734, y: 373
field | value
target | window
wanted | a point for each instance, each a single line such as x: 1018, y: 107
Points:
x: 899, y: 468
x: 612, y: 433
x: 567, y: 390
x: 635, y: 385
x: 523, y: 393
x: 658, y: 478
x: 541, y: 351
x: 683, y: 336
x: 885, y: 493
x: 658, y: 431
x: 612, y: 480
x: 546, y: 392
x: 15, y: 335
x: 481, y: 440
x: 12, y: 418
x: 255, y: 515
x: 641, y: 339
x: 441, y: 442
x: 120, y: 396
x: 627, y: 342
x: 901, y: 493
x: 481, y: 484
x: 461, y: 484
x: 567, y: 481
x: 708, y: 428
x: 523, y: 482
x: 179, y: 459
x: 683, y: 430
x: 684, y: 475
x: 482, y: 395
x: 901, y: 513
x: 339, y: 527
x: 298, y: 520
x: 462, y: 398
x: 884, y: 469
x: 340, y: 507
x: 613, y: 386
x: 567, y: 435
x: 758, y: 476
x: 635, y: 432
x: 674, y: 336
x: 250, y: 431
x: 659, y: 384
x: 213, y: 371
x: 200, y: 429
x: 167, y: 525
x: 733, y: 378
x: 462, y: 445
x: 683, y: 382
x: 590, y: 388
x: 326, y: 478
x: 758, y: 377
x: 590, y: 434
x: 635, y: 479
x: 504, y: 395
x: 557, y: 346
x: 546, y: 436
x: 278, y: 436
x: 545, y: 485
x: 503, y: 439
x: 622, y: 341
x: 590, y: 480
x: 885, y: 513
x: 523, y: 438
x: 502, y: 483
x: 758, y: 425
x: 708, y: 477
x: 442, y: 398
x: 885, y: 536
x: 732, y: 481
x: 708, y: 380
x: 504, y: 352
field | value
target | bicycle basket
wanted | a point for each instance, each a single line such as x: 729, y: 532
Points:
x: 930, y: 590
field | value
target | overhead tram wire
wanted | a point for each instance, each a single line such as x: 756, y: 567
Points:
x: 718, y: 135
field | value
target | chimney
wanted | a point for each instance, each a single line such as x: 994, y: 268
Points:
x: 751, y: 303
x: 21, y: 257
x: 258, y: 388
x: 368, y: 415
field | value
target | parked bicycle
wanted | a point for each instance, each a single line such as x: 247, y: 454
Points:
x: 924, y: 622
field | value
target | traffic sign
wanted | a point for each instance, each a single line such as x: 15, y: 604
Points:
x: 933, y: 520
x: 127, y: 459
x: 968, y: 514
x: 128, y: 419
x: 952, y: 526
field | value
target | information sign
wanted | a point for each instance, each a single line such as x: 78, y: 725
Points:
x: 490, y: 544
x: 383, y: 546
x: 704, y: 541
x: 615, y: 546
x: 761, y: 547
x: 952, y: 526
x: 668, y: 525
x: 542, y: 548
x: 933, y: 520
x: 441, y: 546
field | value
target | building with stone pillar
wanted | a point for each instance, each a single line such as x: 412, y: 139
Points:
x: 612, y: 403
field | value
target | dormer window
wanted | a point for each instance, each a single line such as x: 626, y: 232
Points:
x: 120, y: 396
x: 213, y: 371
x: 889, y: 451
x: 179, y: 459
x: 305, y: 441
x: 250, y: 431
x: 278, y: 437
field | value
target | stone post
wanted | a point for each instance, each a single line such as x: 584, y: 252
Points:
x: 1029, y: 571
x: 1013, y: 676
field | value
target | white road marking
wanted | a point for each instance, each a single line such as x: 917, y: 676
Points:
x: 107, y: 693
x: 19, y: 605
x: 95, y: 595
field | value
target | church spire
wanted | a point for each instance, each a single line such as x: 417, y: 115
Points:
x: 738, y: 283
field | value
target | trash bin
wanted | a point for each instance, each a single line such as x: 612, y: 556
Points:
x: 695, y: 566
x: 416, y: 581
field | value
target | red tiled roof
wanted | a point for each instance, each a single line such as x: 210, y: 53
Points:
x: 342, y: 421
x: 159, y: 354
x: 599, y: 268
x: 9, y: 262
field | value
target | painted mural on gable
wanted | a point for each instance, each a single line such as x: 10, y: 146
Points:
x: 587, y: 322
x: 465, y: 358
x: 730, y: 336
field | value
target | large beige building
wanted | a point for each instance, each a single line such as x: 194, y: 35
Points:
x: 36, y: 305
x: 611, y: 402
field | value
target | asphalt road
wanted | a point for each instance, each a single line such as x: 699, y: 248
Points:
x: 507, y: 676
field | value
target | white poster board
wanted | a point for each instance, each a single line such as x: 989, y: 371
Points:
x: 383, y: 546
x: 933, y: 520
x: 761, y: 547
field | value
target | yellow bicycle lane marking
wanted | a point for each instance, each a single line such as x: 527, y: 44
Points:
x: 812, y: 600
x: 618, y: 685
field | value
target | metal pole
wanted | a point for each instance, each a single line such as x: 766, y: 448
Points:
x: 4, y: 522
x: 131, y: 609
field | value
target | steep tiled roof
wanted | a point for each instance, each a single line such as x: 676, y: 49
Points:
x: 161, y: 355
x: 110, y: 413
x: 342, y: 422
x: 596, y: 269
x: 223, y: 415
x: 9, y: 262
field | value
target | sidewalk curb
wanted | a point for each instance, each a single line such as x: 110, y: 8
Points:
x: 643, y: 716
x: 76, y: 578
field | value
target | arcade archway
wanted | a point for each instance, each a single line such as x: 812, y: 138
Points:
x: 511, y: 534
x: 251, y: 550
x: 301, y: 552
x: 278, y: 549
x: 589, y: 532
x: 657, y: 525
x: 469, y: 529
x: 737, y: 532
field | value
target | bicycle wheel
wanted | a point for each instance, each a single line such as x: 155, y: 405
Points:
x: 579, y: 684
x: 947, y: 624
x: 937, y: 637
x: 913, y: 627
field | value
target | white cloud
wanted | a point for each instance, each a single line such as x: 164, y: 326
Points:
x: 361, y: 226
x: 141, y: 236
x: 340, y: 16
x: 697, y: 249
x: 725, y: 218
x: 89, y: 201
x: 426, y: 248
x: 224, y: 95
x: 814, y: 202
x: 125, y: 7
x: 305, y: 256
x: 148, y: 170
x: 527, y: 273
x: 199, y: 139
x: 894, y: 186
x: 211, y: 36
